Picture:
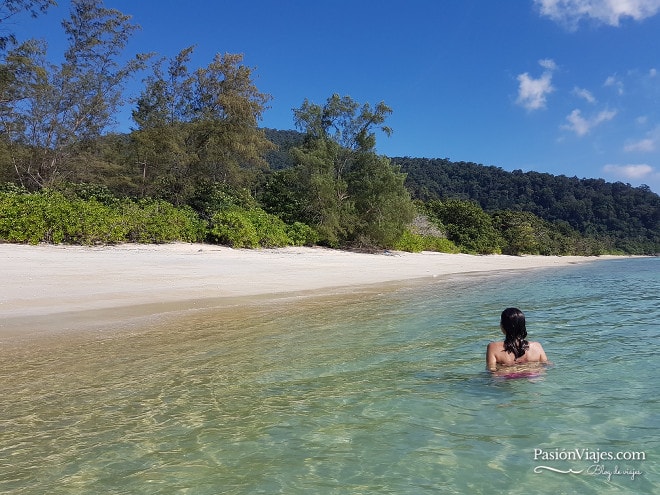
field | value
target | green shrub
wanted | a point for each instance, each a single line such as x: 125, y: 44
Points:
x: 271, y: 230
x: 242, y: 228
x: 57, y: 217
x: 414, y: 243
x: 302, y: 234
x: 52, y: 217
x: 97, y: 224
x: 214, y: 197
x: 233, y: 227
x: 22, y: 218
x: 10, y: 187
x: 87, y: 191
x: 157, y: 221
x: 440, y: 245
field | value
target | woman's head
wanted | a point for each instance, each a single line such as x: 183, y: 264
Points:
x: 512, y: 323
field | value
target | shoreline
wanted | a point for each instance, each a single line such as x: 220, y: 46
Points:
x: 57, y: 288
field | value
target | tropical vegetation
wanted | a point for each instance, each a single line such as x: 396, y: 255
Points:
x: 197, y: 167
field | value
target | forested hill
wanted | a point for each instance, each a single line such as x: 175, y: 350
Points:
x: 594, y: 207
x: 280, y: 158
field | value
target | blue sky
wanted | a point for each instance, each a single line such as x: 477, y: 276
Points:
x: 567, y: 87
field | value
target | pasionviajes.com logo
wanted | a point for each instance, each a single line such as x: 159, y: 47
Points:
x: 594, y: 462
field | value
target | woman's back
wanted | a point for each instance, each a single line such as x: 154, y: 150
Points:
x: 497, y: 355
x: 515, y: 349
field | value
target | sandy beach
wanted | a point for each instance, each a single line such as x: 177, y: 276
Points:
x: 47, y: 287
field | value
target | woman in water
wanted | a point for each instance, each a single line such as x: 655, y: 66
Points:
x: 515, y: 349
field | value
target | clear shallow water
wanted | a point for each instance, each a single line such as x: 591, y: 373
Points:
x: 373, y: 394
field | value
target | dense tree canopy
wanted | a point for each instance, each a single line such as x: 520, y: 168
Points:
x: 621, y: 216
x: 467, y: 225
x: 199, y: 126
x: 339, y: 184
x: 52, y: 108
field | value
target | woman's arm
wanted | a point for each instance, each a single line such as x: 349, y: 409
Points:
x: 491, y: 359
x: 542, y: 357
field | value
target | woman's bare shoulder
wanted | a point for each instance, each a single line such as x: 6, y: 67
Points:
x: 536, y: 350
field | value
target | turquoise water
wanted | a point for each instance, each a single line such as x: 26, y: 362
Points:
x: 371, y: 394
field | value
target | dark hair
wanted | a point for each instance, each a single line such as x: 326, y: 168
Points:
x: 513, y: 324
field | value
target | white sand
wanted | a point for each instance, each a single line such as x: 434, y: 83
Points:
x: 45, y: 283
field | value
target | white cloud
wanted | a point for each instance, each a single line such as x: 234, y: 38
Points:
x: 584, y: 93
x: 581, y: 125
x: 643, y: 145
x: 614, y: 82
x: 548, y: 64
x: 609, y: 12
x: 532, y: 92
x: 646, y: 145
x: 577, y: 123
x: 653, y: 73
x: 632, y: 171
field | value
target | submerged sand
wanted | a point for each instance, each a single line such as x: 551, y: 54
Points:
x: 49, y: 287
